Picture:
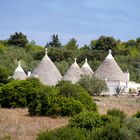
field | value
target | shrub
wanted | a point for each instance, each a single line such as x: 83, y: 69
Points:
x: 20, y: 93
x: 55, y: 105
x: 108, y: 132
x: 133, y: 124
x: 137, y: 115
x: 117, y: 113
x: 92, y: 120
x: 107, y: 119
x: 64, y: 133
x: 128, y: 134
x: 93, y: 85
x: 78, y: 93
x: 87, y: 120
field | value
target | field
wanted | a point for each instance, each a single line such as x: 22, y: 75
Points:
x: 130, y: 105
x: 15, y: 124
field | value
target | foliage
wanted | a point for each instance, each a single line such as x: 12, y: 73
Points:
x: 52, y: 105
x: 127, y: 54
x: 78, y: 93
x: 20, y: 93
x: 54, y: 42
x: 137, y: 115
x: 63, y: 133
x: 72, y: 44
x: 4, y: 75
x: 18, y: 39
x: 87, y: 120
x: 108, y: 132
x: 69, y: 100
x: 117, y: 113
x: 92, y: 126
x: 91, y: 120
x: 133, y: 125
x: 104, y: 43
x: 93, y: 85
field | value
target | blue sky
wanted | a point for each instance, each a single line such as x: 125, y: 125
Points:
x: 82, y: 19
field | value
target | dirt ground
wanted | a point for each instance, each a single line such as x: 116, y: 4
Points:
x: 130, y: 105
x: 15, y: 124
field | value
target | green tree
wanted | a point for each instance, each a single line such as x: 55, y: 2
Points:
x: 72, y: 44
x: 93, y: 85
x: 76, y: 92
x: 131, y: 43
x: 104, y: 43
x: 4, y: 74
x: 54, y: 42
x: 18, y: 39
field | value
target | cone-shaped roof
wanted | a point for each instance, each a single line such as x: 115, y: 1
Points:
x: 19, y: 73
x: 109, y: 69
x: 74, y: 73
x: 47, y: 72
x: 86, y: 68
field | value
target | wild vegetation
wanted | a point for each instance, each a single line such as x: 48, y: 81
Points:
x: 92, y: 126
x: 66, y: 99
x: 17, y: 47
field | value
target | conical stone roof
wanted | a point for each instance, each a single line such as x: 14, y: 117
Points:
x: 47, y: 72
x: 109, y: 70
x: 74, y: 73
x: 86, y: 68
x: 19, y: 73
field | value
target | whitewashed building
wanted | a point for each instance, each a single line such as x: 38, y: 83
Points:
x: 116, y: 80
x: 19, y: 73
x: 46, y: 71
x: 74, y: 73
x: 86, y: 68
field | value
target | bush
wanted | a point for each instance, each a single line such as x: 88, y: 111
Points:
x: 20, y: 93
x: 92, y: 120
x: 64, y: 133
x: 128, y: 134
x: 117, y: 113
x: 108, y: 132
x: 87, y: 120
x: 93, y: 85
x: 107, y: 119
x: 78, y: 93
x: 137, y: 115
x: 55, y: 105
x: 133, y: 124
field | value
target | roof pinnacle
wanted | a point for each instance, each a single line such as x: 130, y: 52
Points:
x: 75, y: 60
x: 19, y: 63
x: 110, y: 52
x: 46, y: 51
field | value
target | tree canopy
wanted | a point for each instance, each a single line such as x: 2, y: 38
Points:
x: 18, y: 39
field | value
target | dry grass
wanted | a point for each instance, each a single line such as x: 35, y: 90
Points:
x: 128, y: 104
x: 16, y: 123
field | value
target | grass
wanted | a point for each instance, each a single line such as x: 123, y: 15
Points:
x: 15, y: 124
x: 128, y: 104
